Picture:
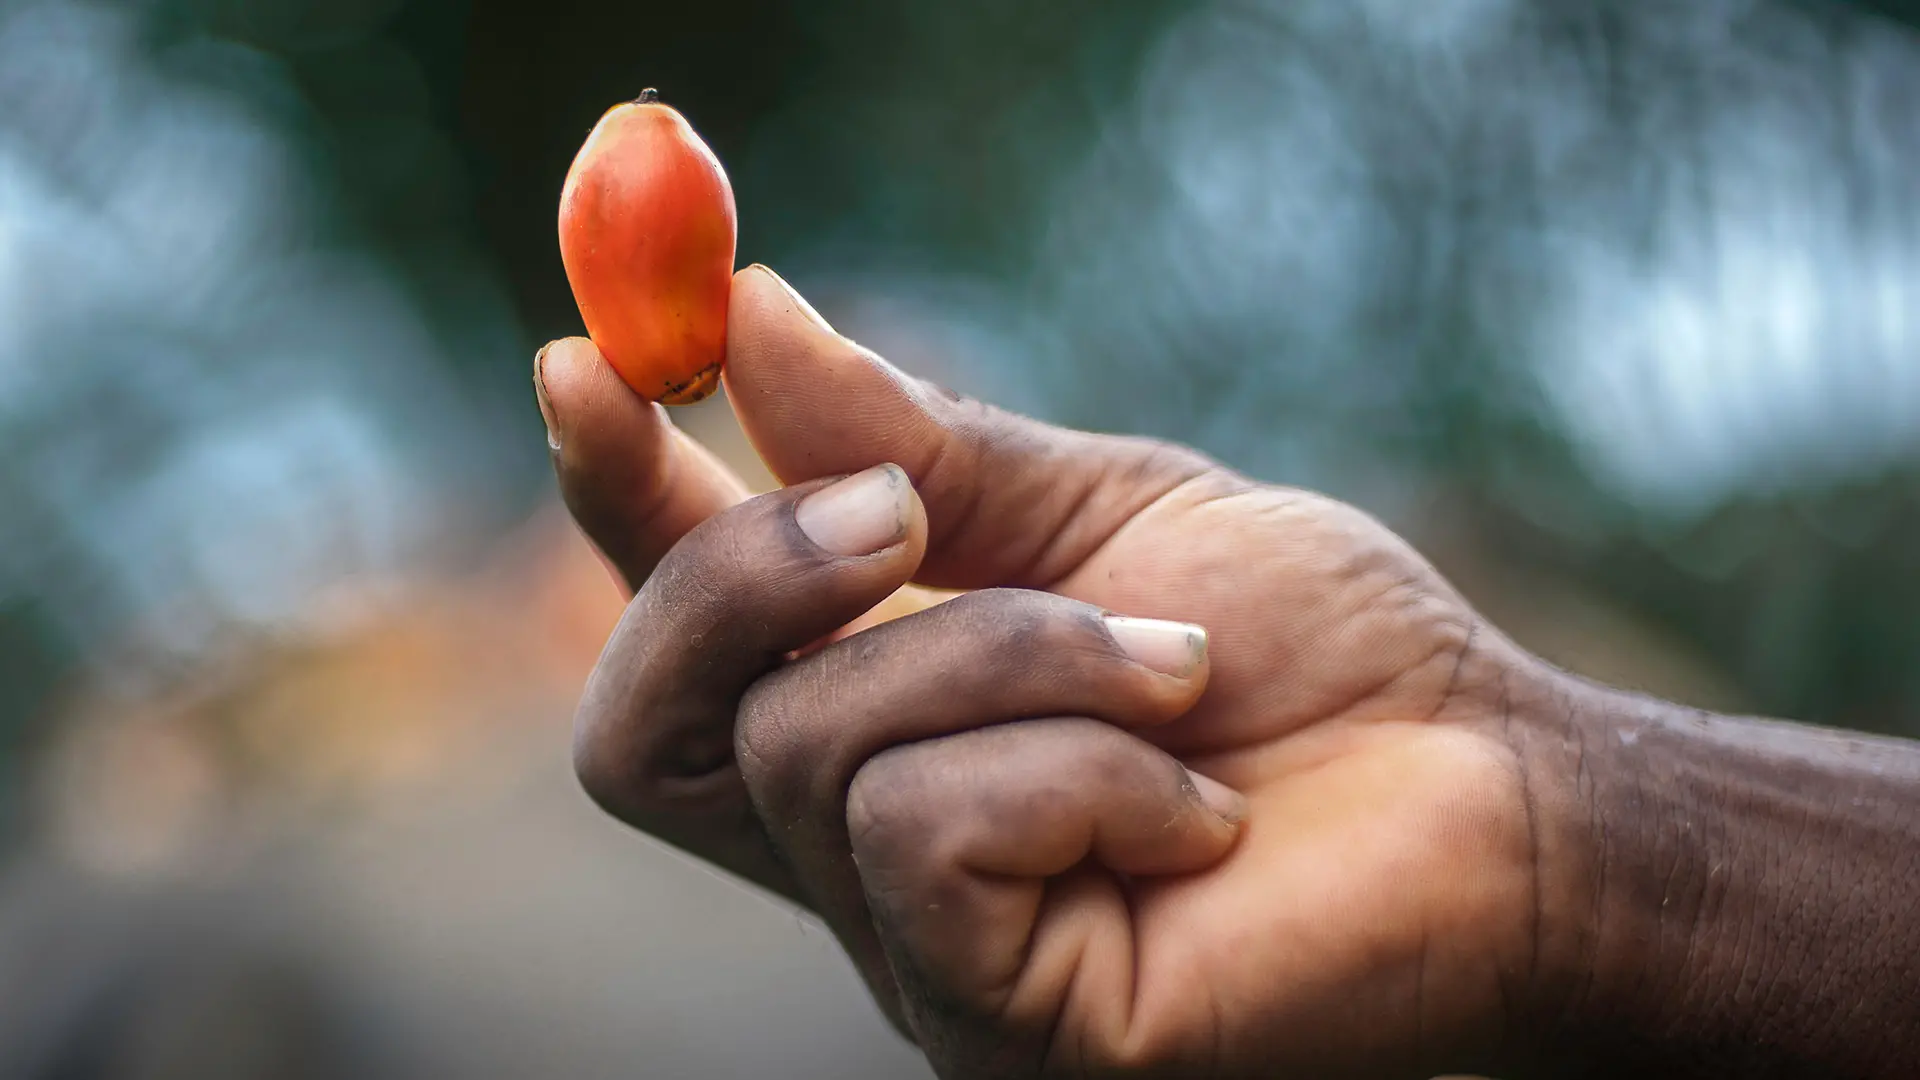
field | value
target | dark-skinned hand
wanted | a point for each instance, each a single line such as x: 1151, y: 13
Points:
x: 1196, y: 776
x: 1198, y: 773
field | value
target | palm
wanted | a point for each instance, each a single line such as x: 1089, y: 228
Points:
x: 1387, y: 834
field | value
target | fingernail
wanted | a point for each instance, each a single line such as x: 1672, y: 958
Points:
x: 540, y: 395
x: 1170, y: 648
x: 798, y: 300
x: 1229, y: 804
x: 860, y: 515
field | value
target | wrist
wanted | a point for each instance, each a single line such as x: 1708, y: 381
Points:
x: 1719, y: 896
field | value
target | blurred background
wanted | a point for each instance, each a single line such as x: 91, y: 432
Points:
x: 1612, y: 305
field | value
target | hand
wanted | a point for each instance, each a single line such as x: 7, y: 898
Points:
x: 1019, y: 815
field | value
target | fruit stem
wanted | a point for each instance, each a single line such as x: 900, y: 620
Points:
x: 647, y: 96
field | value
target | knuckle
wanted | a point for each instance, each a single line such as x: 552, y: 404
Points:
x: 601, y: 773
x: 604, y: 771
x: 1021, y: 626
x: 760, y: 740
x: 642, y: 761
x: 981, y: 604
x: 784, y: 755
x: 1025, y: 650
x: 1021, y: 636
x: 1107, y: 759
x: 888, y: 809
x: 1002, y: 813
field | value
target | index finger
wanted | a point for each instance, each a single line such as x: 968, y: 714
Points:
x: 635, y: 483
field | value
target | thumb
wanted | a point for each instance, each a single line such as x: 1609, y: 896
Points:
x: 1010, y: 501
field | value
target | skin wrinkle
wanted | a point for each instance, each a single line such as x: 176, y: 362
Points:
x: 1651, y: 826
x: 1750, y: 974
x: 1694, y: 928
x: 1351, y: 703
x: 1089, y: 546
x: 1562, y: 737
x: 1215, y: 474
x: 1050, y: 553
x: 961, y: 520
x: 1050, y: 1042
x: 717, y: 786
x: 1599, y: 835
x: 1800, y: 827
x: 1529, y: 801
x: 979, y: 441
x: 1459, y: 664
x: 1153, y: 470
x: 1083, y: 1056
x: 1129, y: 1021
x: 1001, y: 996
